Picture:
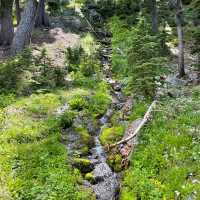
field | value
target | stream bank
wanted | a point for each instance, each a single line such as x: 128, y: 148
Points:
x: 99, y: 176
x: 94, y: 163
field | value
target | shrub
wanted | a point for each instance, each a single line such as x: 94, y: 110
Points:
x: 26, y: 73
x: 89, y: 66
x: 137, y: 54
x: 46, y: 74
x: 78, y: 103
x: 7, y: 99
x: 99, y: 103
x: 13, y: 71
x: 73, y: 58
x: 66, y: 119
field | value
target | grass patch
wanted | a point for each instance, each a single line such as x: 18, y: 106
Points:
x: 33, y: 162
x: 166, y: 161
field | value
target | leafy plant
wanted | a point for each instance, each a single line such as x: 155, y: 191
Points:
x: 78, y: 103
x: 66, y: 119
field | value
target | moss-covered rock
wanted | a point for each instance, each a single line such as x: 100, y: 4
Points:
x: 85, y: 136
x: 111, y: 135
x: 83, y: 164
x: 86, y: 140
x: 115, y: 160
x: 90, y: 177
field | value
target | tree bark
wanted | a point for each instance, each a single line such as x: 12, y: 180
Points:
x: 18, y: 11
x: 179, y: 22
x: 154, y: 16
x: 41, y: 17
x: 23, y: 34
x: 6, y: 22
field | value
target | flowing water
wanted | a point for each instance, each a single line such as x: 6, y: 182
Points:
x: 107, y: 185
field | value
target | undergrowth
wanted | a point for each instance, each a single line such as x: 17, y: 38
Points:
x: 165, y: 164
x: 34, y: 164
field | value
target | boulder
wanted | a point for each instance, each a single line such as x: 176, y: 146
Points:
x: 83, y: 164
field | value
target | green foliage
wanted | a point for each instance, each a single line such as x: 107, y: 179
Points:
x: 13, y: 71
x: 7, y: 99
x: 90, y: 177
x: 137, y: 54
x: 111, y: 135
x: 66, y: 119
x: 73, y: 58
x: 89, y: 44
x: 50, y: 76
x: 89, y: 66
x: 26, y: 73
x: 81, y: 62
x: 82, y: 81
x: 33, y: 162
x: 159, y: 169
x: 127, y: 9
x: 196, y: 46
x: 139, y: 109
x: 100, y: 101
x: 78, y: 103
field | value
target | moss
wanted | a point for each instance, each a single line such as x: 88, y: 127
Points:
x: 115, y: 118
x: 90, y: 177
x: 83, y: 164
x: 111, y: 135
x: 84, y: 150
x: 86, y: 138
x: 115, y: 160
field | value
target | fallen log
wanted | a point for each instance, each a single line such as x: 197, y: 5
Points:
x: 143, y: 122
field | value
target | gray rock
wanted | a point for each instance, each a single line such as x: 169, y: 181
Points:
x: 102, y: 171
x: 107, y: 183
x: 173, y: 80
x: 62, y: 109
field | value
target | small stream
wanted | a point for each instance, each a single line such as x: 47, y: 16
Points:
x: 107, y: 182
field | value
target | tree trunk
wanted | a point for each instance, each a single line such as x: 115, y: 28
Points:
x: 23, y: 34
x: 41, y: 17
x: 6, y: 22
x: 179, y: 22
x: 18, y: 11
x: 154, y: 16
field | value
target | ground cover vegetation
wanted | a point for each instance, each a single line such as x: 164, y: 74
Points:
x: 51, y: 108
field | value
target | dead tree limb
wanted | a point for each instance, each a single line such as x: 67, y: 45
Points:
x: 143, y: 122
